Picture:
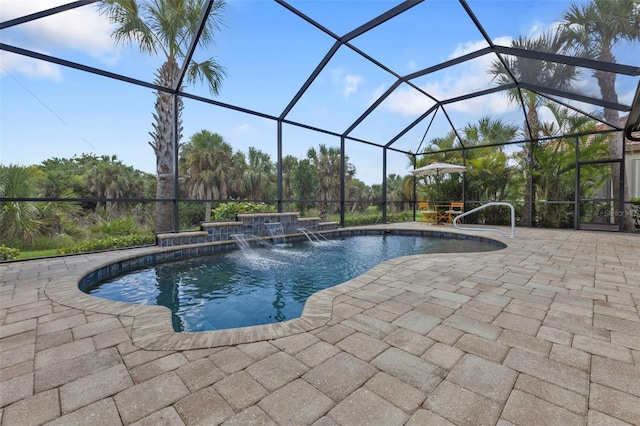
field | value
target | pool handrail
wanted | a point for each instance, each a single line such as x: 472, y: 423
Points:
x: 492, y: 203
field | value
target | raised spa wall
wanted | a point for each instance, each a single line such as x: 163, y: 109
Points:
x: 254, y: 224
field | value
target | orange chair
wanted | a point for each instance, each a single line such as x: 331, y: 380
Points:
x: 455, y: 209
x: 428, y: 215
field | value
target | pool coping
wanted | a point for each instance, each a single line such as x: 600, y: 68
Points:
x: 152, y: 327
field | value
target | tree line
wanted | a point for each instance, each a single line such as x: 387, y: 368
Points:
x: 211, y: 172
x: 86, y: 190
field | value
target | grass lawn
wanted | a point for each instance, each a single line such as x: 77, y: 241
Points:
x: 36, y: 253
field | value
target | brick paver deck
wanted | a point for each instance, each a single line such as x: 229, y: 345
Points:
x: 546, y: 331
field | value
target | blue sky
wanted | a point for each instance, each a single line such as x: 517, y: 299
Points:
x: 52, y: 111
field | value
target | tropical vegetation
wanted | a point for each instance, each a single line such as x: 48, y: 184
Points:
x: 166, y: 27
x: 590, y: 31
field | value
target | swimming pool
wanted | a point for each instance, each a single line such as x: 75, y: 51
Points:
x: 260, y: 286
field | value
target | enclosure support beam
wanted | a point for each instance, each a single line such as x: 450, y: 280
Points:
x: 384, y: 185
x: 576, y: 198
x: 174, y: 141
x: 343, y: 169
x: 279, y: 166
x: 531, y: 200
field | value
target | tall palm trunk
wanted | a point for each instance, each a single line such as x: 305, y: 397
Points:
x: 163, y: 144
x: 529, y: 207
x: 607, y: 82
x: 207, y: 211
x: 110, y: 206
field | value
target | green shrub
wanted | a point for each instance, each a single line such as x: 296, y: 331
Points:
x: 13, y: 242
x: 373, y: 218
x: 191, y: 215
x: 110, y: 243
x: 8, y: 253
x: 635, y: 211
x: 363, y: 219
x: 228, y: 211
x: 75, y: 229
x: 50, y: 242
x: 118, y: 227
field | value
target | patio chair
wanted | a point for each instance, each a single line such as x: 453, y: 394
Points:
x: 426, y: 212
x: 455, y: 209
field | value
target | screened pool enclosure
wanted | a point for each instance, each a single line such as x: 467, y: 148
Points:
x: 171, y: 111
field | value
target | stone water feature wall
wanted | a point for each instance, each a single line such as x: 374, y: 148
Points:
x: 248, y: 223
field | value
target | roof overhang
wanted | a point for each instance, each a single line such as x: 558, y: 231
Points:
x: 632, y: 128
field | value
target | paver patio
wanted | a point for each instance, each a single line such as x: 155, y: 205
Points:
x: 546, y: 331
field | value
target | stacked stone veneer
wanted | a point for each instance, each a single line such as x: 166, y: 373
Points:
x: 250, y: 224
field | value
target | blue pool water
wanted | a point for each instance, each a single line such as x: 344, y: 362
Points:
x: 261, y: 285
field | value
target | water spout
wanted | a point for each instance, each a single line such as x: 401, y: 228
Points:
x: 276, y: 232
x: 244, y: 241
x: 310, y: 234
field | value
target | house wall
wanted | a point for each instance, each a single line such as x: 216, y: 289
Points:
x: 632, y: 168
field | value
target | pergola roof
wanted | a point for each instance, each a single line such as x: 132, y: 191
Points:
x: 413, y: 97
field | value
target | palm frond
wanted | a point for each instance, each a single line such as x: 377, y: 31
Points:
x: 209, y: 72
x: 130, y: 24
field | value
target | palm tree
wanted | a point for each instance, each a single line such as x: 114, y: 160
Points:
x: 236, y: 177
x: 445, y: 187
x: 304, y: 183
x: 592, y: 31
x: 61, y: 174
x: 206, y: 159
x: 109, y: 178
x: 327, y: 161
x: 26, y: 220
x: 259, y: 177
x: 557, y: 160
x: 397, y: 193
x: 541, y: 73
x: 487, y: 131
x: 488, y: 171
x: 289, y: 163
x: 359, y: 194
x: 18, y: 219
x: 166, y: 27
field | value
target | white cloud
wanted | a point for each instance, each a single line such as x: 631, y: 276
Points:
x: 347, y: 83
x: 468, y: 47
x: 462, y: 79
x: 546, y: 116
x: 81, y: 29
x: 351, y: 83
x: 408, y: 101
x: 495, y: 103
x: 474, y: 46
x: 586, y: 85
x: 32, y: 68
x: 503, y: 41
x: 539, y: 28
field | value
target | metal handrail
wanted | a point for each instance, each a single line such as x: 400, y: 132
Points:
x: 493, y: 203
